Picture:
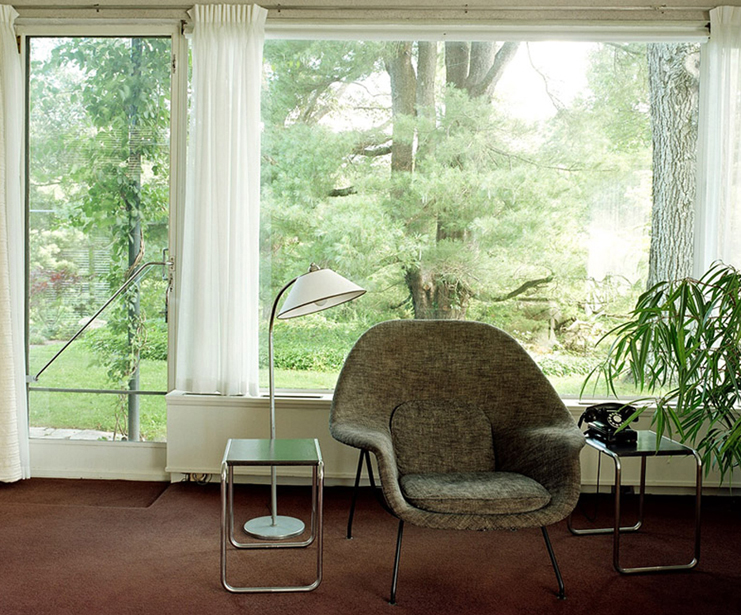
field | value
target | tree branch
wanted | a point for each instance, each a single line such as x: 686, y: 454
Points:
x: 372, y: 151
x: 523, y: 288
x: 501, y: 152
x: 342, y: 191
x: 554, y: 101
x: 505, y: 53
x: 313, y: 113
x: 408, y: 300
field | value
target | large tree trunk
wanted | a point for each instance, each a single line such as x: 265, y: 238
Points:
x: 673, y: 84
x: 426, y: 79
x: 433, y: 297
x: 403, y: 98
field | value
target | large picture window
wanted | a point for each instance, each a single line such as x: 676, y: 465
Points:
x: 536, y: 186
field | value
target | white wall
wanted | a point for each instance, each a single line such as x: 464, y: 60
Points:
x: 199, y: 427
x: 98, y: 460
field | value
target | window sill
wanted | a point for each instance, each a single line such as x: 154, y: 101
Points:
x: 314, y: 399
x: 302, y: 399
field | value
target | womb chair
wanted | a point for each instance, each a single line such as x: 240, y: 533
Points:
x: 467, y: 431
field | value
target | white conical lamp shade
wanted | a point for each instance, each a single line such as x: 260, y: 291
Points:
x: 318, y: 290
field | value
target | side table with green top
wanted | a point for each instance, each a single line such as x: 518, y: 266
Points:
x: 645, y: 446
x: 270, y: 453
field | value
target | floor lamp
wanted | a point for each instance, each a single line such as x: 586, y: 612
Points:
x: 314, y: 291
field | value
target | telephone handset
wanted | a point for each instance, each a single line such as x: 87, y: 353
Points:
x: 603, y: 421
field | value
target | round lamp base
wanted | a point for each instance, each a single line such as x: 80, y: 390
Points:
x: 265, y: 529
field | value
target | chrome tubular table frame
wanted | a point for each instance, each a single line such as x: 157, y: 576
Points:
x: 266, y: 452
x: 645, y: 447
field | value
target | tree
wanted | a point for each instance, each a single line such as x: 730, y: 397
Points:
x: 674, y: 85
x: 437, y: 285
x: 413, y: 175
x: 113, y: 179
x: 444, y: 179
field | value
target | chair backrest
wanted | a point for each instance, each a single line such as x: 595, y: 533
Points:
x: 430, y: 360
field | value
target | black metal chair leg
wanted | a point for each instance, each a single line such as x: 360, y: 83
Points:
x: 355, y: 495
x: 369, y: 467
x: 396, y: 562
x: 561, y: 593
x: 364, y: 455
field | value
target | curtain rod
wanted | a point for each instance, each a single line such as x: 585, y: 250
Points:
x: 464, y: 8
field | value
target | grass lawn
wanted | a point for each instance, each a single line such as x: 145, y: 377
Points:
x: 76, y: 369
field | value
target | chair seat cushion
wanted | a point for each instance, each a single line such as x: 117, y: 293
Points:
x: 480, y: 493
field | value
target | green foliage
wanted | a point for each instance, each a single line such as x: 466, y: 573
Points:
x: 156, y: 345
x: 312, y: 344
x: 303, y: 77
x: 56, y: 303
x: 494, y: 204
x: 619, y: 80
x: 123, y: 96
x: 79, y: 368
x: 99, y: 147
x: 559, y: 364
x: 114, y: 344
x: 496, y: 207
x: 682, y: 345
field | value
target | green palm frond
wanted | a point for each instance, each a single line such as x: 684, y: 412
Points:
x: 682, y: 346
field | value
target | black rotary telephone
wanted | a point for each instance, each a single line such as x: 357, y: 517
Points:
x: 603, y: 421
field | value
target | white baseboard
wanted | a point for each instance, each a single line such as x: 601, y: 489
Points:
x: 142, y: 461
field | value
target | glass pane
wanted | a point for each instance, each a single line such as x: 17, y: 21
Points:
x: 507, y: 183
x: 99, y: 122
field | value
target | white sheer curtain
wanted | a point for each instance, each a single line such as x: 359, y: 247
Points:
x: 718, y: 219
x: 217, y: 347
x: 14, y: 459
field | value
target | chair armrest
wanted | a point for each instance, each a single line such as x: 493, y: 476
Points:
x: 377, y: 441
x: 373, y: 439
x: 548, y: 454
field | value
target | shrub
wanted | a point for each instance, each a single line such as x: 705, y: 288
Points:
x: 312, y: 344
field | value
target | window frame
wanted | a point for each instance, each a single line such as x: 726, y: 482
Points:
x: 178, y: 138
x: 672, y: 32
x: 319, y: 28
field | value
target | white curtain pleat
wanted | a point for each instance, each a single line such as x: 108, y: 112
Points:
x: 718, y: 225
x: 14, y: 456
x: 217, y: 338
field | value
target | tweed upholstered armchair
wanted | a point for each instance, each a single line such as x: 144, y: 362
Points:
x: 467, y: 431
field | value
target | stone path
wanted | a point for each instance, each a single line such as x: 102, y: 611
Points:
x: 51, y: 433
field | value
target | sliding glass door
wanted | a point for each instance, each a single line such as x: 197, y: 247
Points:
x: 98, y: 195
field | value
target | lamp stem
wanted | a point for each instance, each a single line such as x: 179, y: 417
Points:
x: 271, y: 385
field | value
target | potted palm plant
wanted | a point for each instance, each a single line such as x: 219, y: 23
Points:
x: 681, y: 350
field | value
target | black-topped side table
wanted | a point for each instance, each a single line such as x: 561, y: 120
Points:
x: 645, y: 447
x: 267, y: 452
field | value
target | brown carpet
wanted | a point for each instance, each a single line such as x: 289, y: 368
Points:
x: 58, y: 556
x: 61, y: 492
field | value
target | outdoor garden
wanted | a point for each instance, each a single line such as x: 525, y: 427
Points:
x: 511, y: 183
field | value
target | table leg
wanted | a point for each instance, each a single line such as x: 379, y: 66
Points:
x: 610, y: 530
x: 226, y: 521
x: 227, y: 532
x: 661, y: 568
x: 617, y: 529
